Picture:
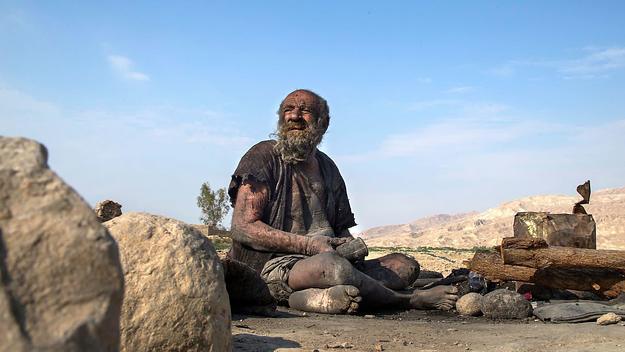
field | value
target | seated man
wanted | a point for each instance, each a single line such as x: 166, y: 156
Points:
x: 290, y: 213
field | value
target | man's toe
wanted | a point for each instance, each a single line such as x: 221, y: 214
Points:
x: 352, y: 291
x: 451, y: 289
x: 451, y: 297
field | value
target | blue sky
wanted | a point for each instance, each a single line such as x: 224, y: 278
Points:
x: 436, y: 107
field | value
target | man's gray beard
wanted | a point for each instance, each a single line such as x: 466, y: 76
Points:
x: 297, y: 145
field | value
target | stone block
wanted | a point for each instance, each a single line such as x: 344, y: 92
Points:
x: 566, y: 230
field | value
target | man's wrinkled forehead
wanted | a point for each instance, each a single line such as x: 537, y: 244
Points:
x: 301, y: 98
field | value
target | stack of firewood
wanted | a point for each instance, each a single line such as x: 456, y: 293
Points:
x: 532, y: 260
x: 556, y: 251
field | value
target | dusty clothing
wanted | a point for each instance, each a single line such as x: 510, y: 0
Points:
x: 297, y: 204
x: 276, y: 275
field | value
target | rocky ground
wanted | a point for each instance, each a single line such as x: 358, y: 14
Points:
x: 417, y: 331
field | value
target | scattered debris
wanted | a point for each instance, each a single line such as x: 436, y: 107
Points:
x: 345, y: 345
x: 609, y: 318
x: 243, y: 326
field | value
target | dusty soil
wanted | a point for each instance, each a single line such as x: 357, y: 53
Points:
x: 417, y: 331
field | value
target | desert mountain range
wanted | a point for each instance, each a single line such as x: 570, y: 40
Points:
x: 473, y: 229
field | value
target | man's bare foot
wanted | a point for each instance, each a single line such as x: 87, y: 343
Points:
x: 438, y: 297
x: 338, y: 299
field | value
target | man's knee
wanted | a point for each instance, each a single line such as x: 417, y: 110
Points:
x: 406, y: 267
x: 328, y: 269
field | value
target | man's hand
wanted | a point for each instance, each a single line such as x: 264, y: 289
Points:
x: 322, y: 244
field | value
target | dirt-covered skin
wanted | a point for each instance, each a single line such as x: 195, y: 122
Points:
x: 339, y: 299
x: 418, y: 331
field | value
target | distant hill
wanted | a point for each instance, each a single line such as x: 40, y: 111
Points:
x: 487, y: 228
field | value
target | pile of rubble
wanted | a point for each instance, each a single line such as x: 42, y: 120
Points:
x: 552, y: 262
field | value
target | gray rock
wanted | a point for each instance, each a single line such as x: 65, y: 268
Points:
x: 175, y: 297
x: 609, y: 318
x: 469, y: 304
x: 61, y: 283
x: 107, y: 210
x: 505, y: 304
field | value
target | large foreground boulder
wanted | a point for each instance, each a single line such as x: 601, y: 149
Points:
x: 61, y: 283
x: 175, y: 298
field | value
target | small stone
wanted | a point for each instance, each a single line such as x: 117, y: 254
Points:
x: 369, y: 316
x: 379, y: 348
x: 107, y: 210
x: 469, y: 304
x: 504, y: 304
x: 340, y: 345
x: 608, y: 319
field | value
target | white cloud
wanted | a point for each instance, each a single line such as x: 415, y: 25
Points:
x: 452, y: 135
x: 124, y: 67
x: 597, y: 63
x: 425, y: 80
x: 29, y: 116
x: 460, y: 89
x: 483, y: 110
x: 505, y: 70
x: 460, y: 165
x: 149, y: 159
x: 429, y: 104
x: 16, y: 104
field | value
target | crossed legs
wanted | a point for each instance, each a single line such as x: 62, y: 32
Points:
x: 328, y: 283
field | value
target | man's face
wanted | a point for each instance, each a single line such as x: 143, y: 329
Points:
x: 298, y: 113
x: 299, y: 132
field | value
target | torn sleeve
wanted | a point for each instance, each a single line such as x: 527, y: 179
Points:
x: 255, y: 165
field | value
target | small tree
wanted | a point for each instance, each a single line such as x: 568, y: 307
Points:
x: 214, y: 205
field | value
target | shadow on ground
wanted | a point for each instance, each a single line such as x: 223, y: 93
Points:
x: 255, y: 343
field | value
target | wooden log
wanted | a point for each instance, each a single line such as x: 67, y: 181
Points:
x: 491, y: 266
x: 533, y: 253
x: 607, y: 283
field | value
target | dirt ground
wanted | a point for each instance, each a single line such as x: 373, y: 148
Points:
x: 417, y: 331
